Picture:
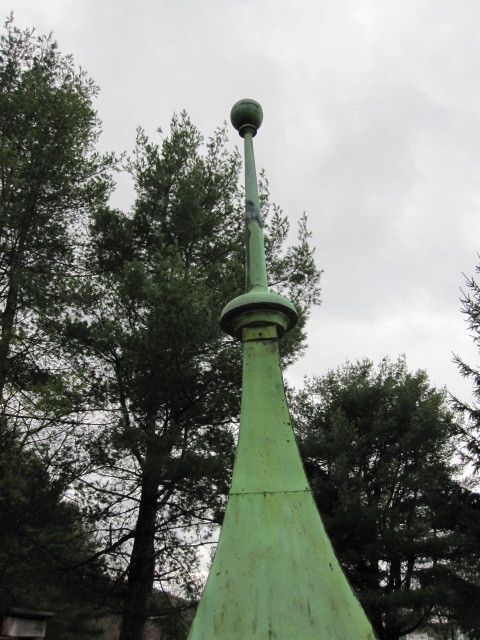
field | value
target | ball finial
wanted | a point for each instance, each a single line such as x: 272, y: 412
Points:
x: 246, y: 115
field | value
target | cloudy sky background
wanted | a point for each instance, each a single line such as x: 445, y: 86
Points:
x: 372, y: 126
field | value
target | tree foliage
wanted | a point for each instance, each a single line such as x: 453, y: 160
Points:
x: 471, y: 309
x: 379, y: 447
x: 44, y: 543
x: 113, y: 371
x: 50, y: 176
x: 144, y: 335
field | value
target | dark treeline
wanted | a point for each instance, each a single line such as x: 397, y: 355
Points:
x: 384, y: 453
x: 119, y: 395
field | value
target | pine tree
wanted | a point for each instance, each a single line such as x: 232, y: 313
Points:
x: 46, y: 546
x: 50, y: 176
x: 146, y: 341
x: 51, y: 179
x: 379, y: 446
x: 470, y: 302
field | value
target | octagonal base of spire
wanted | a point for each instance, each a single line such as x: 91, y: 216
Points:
x: 258, y: 307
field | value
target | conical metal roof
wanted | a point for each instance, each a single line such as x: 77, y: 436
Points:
x: 274, y: 574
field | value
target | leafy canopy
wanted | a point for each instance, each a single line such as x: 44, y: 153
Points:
x: 379, y: 447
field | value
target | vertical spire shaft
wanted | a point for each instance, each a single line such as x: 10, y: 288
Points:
x: 256, y: 268
x: 274, y: 575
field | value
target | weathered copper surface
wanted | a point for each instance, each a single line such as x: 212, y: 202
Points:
x: 274, y: 575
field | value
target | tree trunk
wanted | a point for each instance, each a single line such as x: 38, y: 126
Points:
x: 375, y: 617
x: 142, y: 562
x: 7, y: 324
x: 371, y: 573
x: 11, y: 305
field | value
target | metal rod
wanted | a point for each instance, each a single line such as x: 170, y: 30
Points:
x: 256, y: 268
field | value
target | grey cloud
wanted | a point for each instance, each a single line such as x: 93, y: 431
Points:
x: 371, y: 125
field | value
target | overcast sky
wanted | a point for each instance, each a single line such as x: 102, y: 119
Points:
x: 371, y: 126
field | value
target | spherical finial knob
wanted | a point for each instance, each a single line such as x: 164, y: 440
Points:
x: 246, y: 115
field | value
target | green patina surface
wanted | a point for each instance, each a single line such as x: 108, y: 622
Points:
x: 274, y: 574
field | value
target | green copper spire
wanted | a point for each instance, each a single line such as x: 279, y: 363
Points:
x: 274, y: 574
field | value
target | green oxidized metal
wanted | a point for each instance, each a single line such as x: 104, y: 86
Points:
x: 274, y: 574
